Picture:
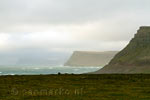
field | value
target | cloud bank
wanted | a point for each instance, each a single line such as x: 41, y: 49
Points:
x: 68, y: 25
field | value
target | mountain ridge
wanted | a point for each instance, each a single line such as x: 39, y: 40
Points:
x: 90, y: 58
x: 134, y: 58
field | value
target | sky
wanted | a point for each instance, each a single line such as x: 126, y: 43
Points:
x: 45, y: 27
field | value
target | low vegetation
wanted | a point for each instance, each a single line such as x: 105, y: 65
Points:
x: 75, y: 87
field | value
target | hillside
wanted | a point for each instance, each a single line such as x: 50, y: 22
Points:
x: 134, y: 58
x: 85, y: 58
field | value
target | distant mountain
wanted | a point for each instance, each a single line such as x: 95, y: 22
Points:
x: 85, y: 58
x: 43, y: 59
x: 134, y: 58
x: 35, y: 57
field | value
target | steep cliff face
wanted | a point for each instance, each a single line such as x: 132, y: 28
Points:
x: 84, y: 58
x: 134, y: 58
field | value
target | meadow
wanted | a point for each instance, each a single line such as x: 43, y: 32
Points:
x: 76, y: 87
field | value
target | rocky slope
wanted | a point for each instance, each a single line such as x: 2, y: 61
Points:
x: 85, y: 58
x: 134, y: 58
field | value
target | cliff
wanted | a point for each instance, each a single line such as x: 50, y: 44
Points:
x: 85, y: 58
x: 134, y: 58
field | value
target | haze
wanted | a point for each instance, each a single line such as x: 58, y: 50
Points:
x: 48, y: 31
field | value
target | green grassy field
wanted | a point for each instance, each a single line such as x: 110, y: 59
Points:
x: 75, y: 87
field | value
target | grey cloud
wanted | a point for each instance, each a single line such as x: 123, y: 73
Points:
x: 16, y: 12
x: 113, y: 23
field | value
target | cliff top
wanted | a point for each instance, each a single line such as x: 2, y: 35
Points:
x: 144, y: 29
x: 94, y: 52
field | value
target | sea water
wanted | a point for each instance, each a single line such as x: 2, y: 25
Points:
x: 37, y: 70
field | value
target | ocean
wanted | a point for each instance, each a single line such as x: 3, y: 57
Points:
x: 44, y: 70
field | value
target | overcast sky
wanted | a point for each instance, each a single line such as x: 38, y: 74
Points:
x: 70, y: 25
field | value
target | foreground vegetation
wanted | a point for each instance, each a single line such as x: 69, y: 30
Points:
x: 75, y: 87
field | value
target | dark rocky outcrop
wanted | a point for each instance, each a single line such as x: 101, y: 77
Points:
x: 134, y: 58
x: 86, y: 58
